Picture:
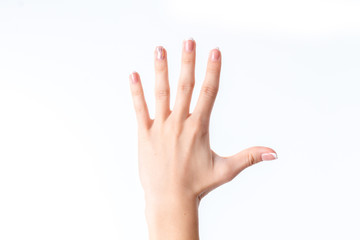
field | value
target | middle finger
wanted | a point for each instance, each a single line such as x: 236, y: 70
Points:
x: 187, y: 79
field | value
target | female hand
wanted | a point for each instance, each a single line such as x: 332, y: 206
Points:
x: 176, y: 164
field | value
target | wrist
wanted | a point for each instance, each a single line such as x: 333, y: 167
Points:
x: 159, y: 205
x: 172, y: 216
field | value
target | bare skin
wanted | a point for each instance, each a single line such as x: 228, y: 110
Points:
x: 176, y: 164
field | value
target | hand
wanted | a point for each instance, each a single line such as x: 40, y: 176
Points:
x: 176, y: 163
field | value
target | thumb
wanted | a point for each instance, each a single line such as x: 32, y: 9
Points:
x: 230, y: 167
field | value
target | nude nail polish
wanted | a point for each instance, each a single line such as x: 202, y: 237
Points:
x: 133, y: 77
x: 160, y: 53
x: 215, y: 54
x: 268, y: 156
x: 189, y: 44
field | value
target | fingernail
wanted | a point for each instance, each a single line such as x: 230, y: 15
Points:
x: 133, y: 77
x: 215, y: 54
x: 160, y: 53
x: 268, y: 156
x: 189, y: 44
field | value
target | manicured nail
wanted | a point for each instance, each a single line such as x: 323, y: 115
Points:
x: 133, y: 77
x: 268, y: 156
x: 189, y: 44
x: 215, y: 54
x: 160, y: 53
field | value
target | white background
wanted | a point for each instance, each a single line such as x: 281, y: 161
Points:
x: 290, y: 81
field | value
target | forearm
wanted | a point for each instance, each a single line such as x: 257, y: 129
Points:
x: 173, y: 218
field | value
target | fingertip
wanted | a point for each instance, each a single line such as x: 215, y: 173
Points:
x: 189, y: 44
x: 268, y: 156
x: 160, y: 53
x: 215, y: 54
x: 134, y: 77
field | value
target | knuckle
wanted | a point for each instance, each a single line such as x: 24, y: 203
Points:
x: 174, y: 127
x: 162, y: 93
x: 186, y: 87
x: 209, y: 91
x: 187, y: 60
x: 251, y: 160
x: 198, y: 126
x: 137, y: 92
x: 176, y: 130
x: 196, y: 118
